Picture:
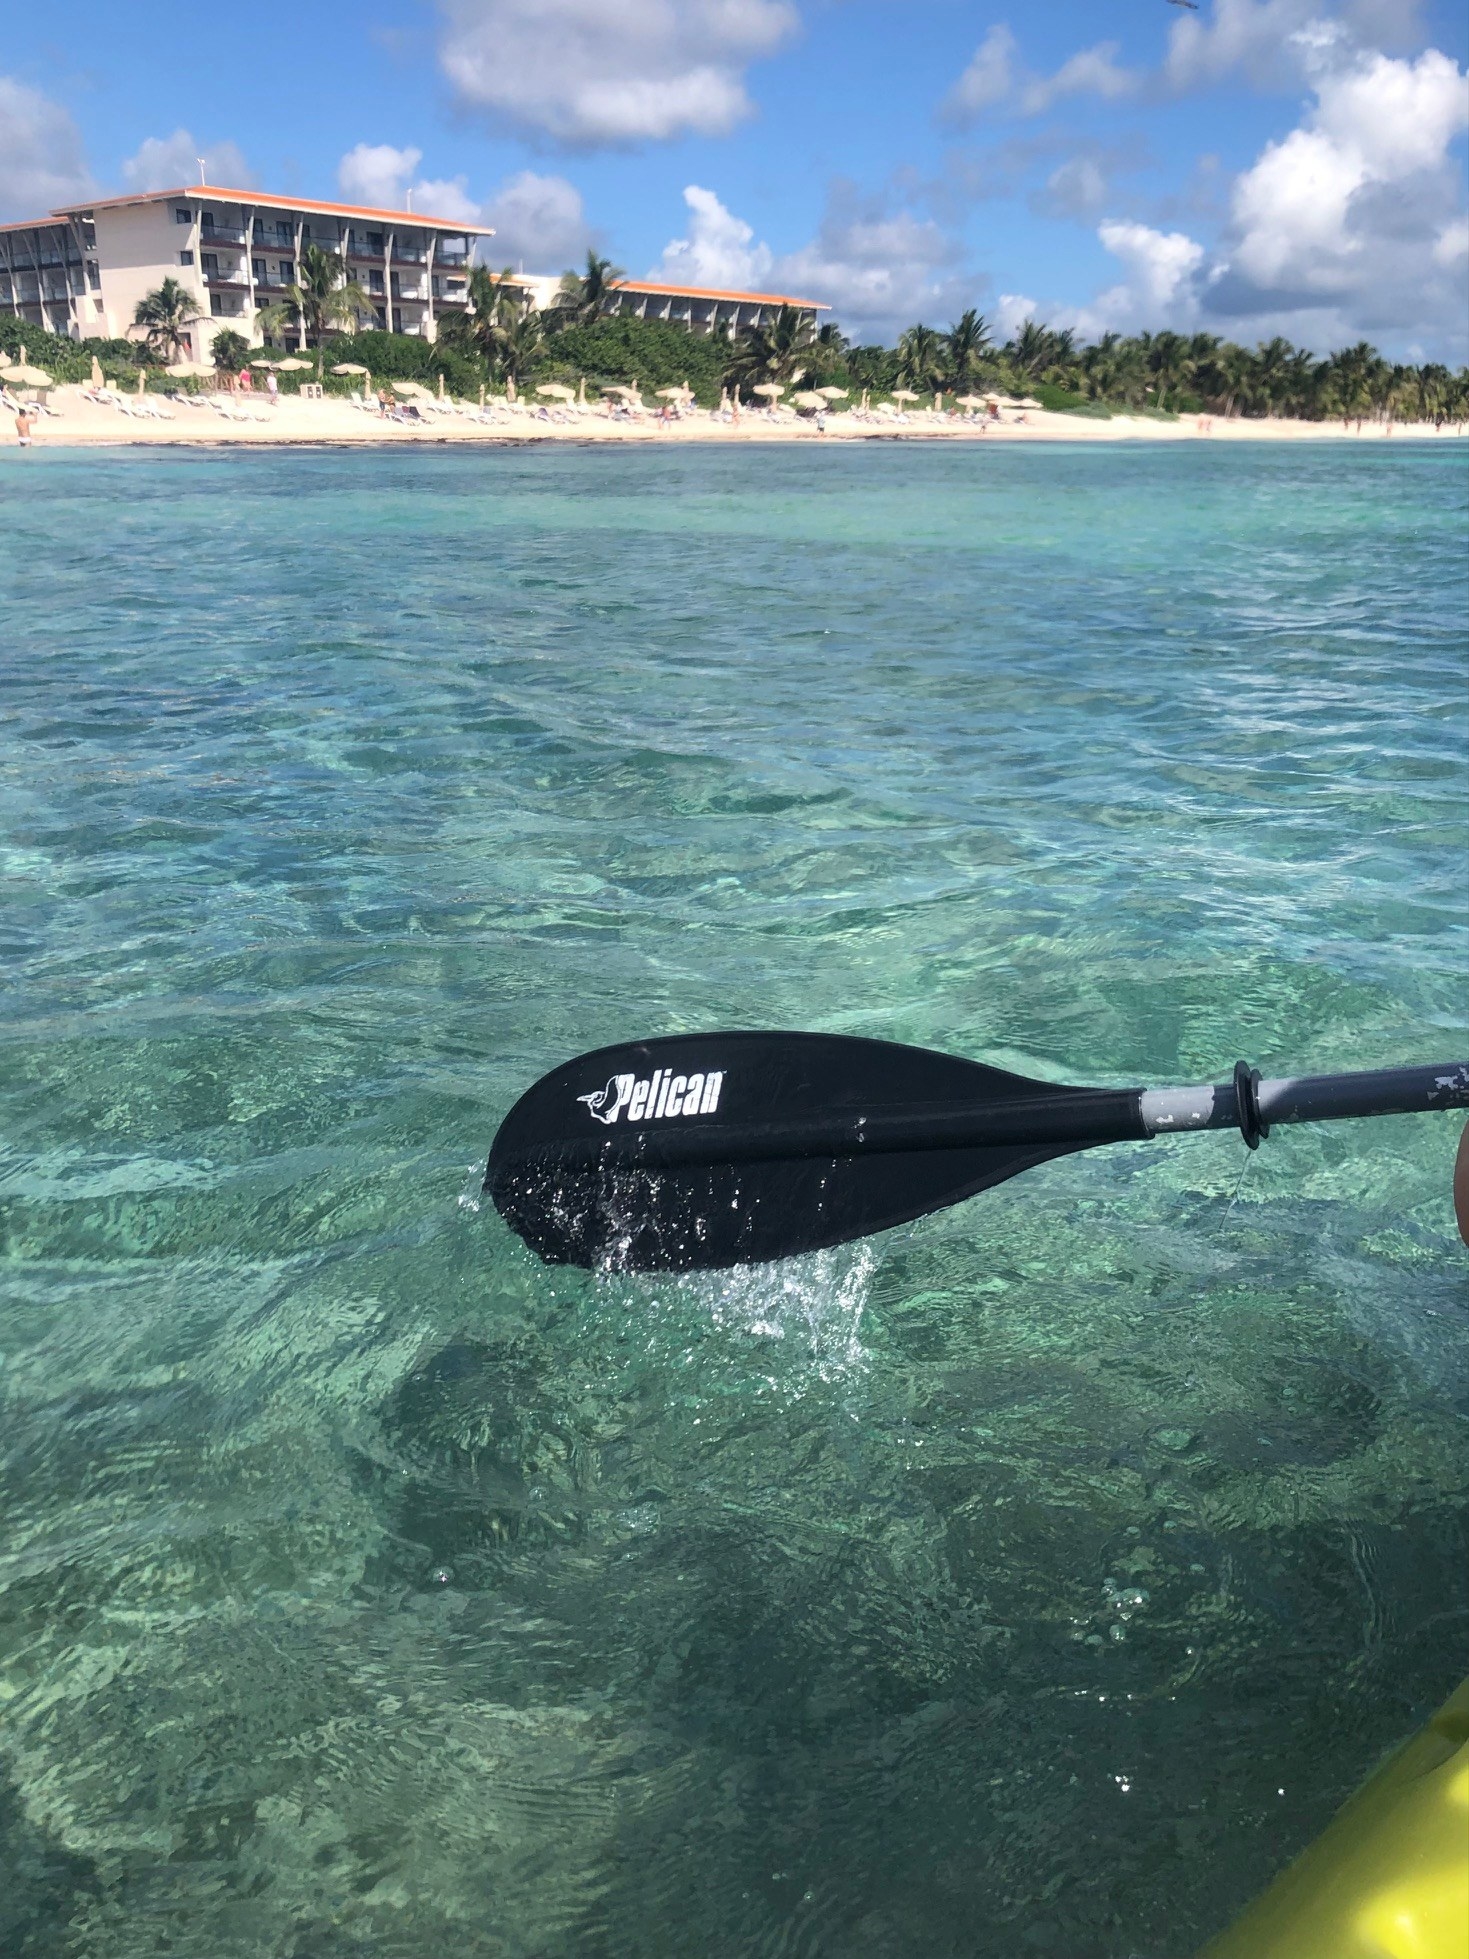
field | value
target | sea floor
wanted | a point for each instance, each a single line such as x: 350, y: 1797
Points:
x: 1034, y: 1579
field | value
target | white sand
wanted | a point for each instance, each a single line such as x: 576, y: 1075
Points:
x: 335, y: 421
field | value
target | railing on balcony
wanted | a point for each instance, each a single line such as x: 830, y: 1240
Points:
x: 409, y: 255
x: 221, y: 234
x: 451, y: 259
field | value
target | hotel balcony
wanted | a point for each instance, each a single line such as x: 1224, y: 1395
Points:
x: 221, y: 234
x: 453, y: 260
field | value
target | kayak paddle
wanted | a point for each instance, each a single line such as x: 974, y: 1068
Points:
x: 697, y: 1151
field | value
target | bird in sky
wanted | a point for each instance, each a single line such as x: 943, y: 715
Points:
x: 1192, y: 5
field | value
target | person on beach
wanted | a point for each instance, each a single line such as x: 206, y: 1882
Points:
x: 23, y: 426
x: 272, y: 388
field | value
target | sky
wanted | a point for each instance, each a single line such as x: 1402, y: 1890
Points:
x: 1244, y: 168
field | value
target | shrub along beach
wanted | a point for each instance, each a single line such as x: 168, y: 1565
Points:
x: 577, y: 368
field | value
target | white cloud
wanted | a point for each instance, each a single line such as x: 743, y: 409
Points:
x: 1009, y: 314
x: 170, y: 162
x: 586, y: 72
x: 41, y: 159
x: 1346, y: 213
x: 1452, y: 243
x: 1093, y: 71
x: 539, y: 222
x: 445, y: 197
x: 720, y: 250
x: 1161, y: 267
x: 994, y: 77
x: 988, y: 79
x: 377, y: 174
x: 878, y: 266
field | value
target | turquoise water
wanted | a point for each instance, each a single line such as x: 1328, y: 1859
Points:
x: 1033, y: 1579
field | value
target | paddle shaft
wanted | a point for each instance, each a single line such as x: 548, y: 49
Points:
x: 1071, y: 1118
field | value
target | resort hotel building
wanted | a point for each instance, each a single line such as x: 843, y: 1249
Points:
x: 81, y: 271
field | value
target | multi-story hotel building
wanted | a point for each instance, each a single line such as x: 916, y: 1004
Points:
x: 82, y: 271
x: 702, y: 309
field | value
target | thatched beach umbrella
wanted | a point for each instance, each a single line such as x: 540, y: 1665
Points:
x: 412, y: 389
x: 581, y: 391
x: 832, y: 394
x: 970, y: 401
x: 290, y: 365
x: 142, y: 380
x: 904, y: 394
x: 275, y: 365
x: 809, y: 398
x: 23, y: 375
x: 355, y: 367
x: 771, y: 389
x: 97, y: 375
x: 1028, y: 401
x: 556, y: 391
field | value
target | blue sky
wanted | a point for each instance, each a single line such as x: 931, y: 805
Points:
x: 1257, y: 165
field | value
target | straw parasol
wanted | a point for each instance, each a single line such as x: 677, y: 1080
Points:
x: 276, y: 366
x: 679, y: 393
x: 97, y: 375
x: 581, y: 391
x: 142, y: 380
x: 556, y: 391
x: 971, y: 401
x: 23, y: 375
x: 189, y: 370
x: 904, y: 394
x: 832, y: 394
x: 809, y: 398
x: 411, y: 389
x: 441, y: 384
x: 292, y: 366
x: 1027, y: 401
x: 771, y: 388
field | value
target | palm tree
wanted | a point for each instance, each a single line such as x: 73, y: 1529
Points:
x: 323, y: 297
x: 520, y: 343
x: 165, y: 316
x: 965, y: 345
x: 921, y: 358
x: 1168, y: 363
x: 1038, y: 353
x: 584, y: 295
x: 777, y: 351
x: 229, y: 351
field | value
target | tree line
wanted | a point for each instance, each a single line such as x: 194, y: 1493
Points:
x: 502, y: 337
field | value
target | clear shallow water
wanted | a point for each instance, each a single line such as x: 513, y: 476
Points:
x: 1037, y: 1578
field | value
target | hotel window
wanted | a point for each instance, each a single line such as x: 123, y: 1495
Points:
x: 287, y: 270
x: 182, y: 217
x: 374, y: 282
x: 305, y: 234
x: 259, y: 231
x: 257, y: 269
x: 216, y: 303
x: 374, y: 241
x: 94, y: 277
x: 209, y: 264
x: 186, y: 258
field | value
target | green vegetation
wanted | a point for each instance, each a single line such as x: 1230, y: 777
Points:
x: 165, y: 316
x: 501, y: 337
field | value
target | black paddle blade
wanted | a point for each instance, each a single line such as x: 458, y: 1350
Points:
x: 586, y: 1166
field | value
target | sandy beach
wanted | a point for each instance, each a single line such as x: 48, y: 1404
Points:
x: 79, y: 421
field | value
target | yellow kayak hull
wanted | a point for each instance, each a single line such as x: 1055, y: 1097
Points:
x: 1389, y: 1876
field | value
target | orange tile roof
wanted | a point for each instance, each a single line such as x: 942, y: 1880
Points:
x: 708, y: 292
x: 217, y: 193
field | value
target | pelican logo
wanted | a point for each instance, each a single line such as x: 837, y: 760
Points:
x: 663, y: 1094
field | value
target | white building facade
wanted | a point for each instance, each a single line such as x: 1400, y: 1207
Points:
x: 82, y: 271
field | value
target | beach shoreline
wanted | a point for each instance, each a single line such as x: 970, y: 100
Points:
x: 335, y: 423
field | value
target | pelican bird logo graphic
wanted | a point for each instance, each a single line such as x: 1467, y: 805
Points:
x: 604, y: 1103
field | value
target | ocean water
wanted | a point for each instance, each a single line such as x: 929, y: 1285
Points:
x: 1035, y: 1579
